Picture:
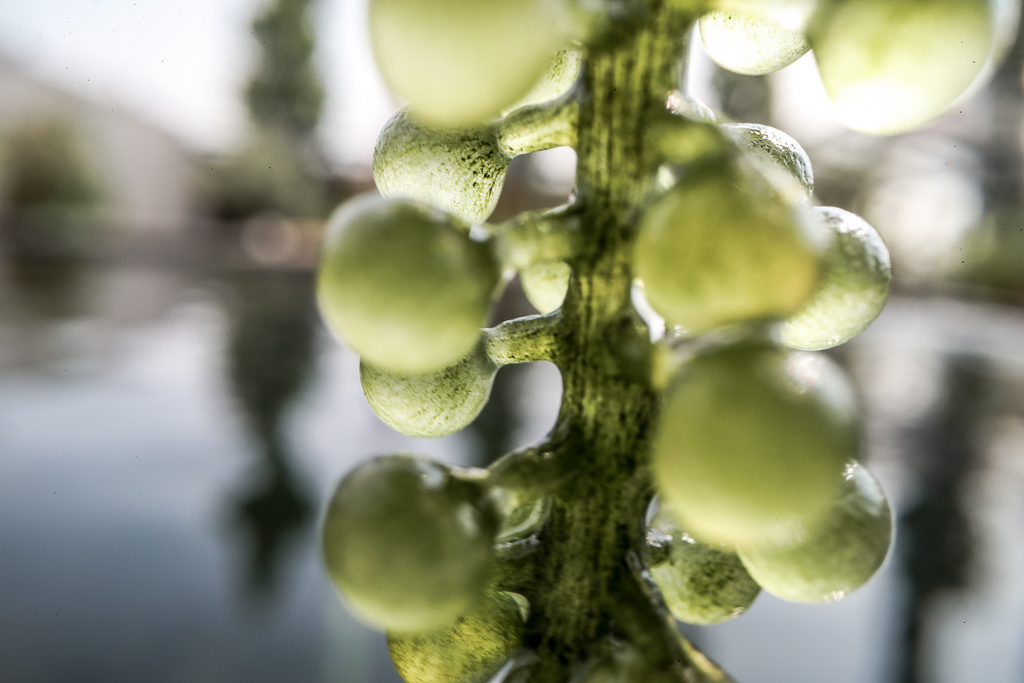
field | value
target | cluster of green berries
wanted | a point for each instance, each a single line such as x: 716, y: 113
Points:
x: 754, y: 456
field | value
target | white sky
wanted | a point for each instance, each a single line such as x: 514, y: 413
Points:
x: 182, y: 64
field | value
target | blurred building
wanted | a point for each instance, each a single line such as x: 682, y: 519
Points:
x: 145, y: 178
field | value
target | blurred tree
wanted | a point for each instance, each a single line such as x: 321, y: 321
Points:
x: 50, y: 192
x: 51, y: 204
x: 285, y: 93
x: 45, y: 165
x: 280, y: 168
x: 269, y: 175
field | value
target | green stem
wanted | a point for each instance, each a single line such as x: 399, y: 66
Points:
x: 538, y: 237
x: 539, y: 127
x: 523, y: 340
x: 589, y: 587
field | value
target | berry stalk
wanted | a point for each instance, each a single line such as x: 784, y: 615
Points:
x: 588, y: 587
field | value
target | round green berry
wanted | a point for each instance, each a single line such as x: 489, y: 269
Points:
x: 408, y: 543
x: 1005, y: 20
x: 852, y: 291
x: 460, y: 170
x: 701, y: 583
x: 750, y: 442
x: 778, y: 156
x: 890, y: 67
x: 460, y: 62
x: 471, y: 650
x: 723, y: 247
x: 756, y: 37
x: 837, y: 554
x: 522, y: 513
x: 545, y: 284
x: 559, y: 78
x: 434, y: 404
x: 403, y: 285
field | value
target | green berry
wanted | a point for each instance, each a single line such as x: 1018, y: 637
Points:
x: 852, y: 291
x: 890, y: 67
x: 560, y: 76
x: 408, y: 543
x: 701, y: 583
x: 404, y: 285
x: 723, y: 247
x: 522, y: 513
x: 1005, y: 20
x: 471, y: 650
x: 461, y: 62
x: 837, y: 554
x: 431, y: 405
x: 779, y: 157
x: 686, y: 139
x: 459, y: 170
x: 756, y: 37
x: 750, y: 442
x: 545, y: 284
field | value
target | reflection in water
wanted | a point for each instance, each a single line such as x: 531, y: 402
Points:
x: 270, y: 358
x: 936, y: 535
x: 48, y: 289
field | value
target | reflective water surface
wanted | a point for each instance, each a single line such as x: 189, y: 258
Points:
x: 169, y: 436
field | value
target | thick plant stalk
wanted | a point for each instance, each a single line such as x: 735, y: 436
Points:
x: 588, y: 587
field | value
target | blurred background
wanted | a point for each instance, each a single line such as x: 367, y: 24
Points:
x: 173, y: 416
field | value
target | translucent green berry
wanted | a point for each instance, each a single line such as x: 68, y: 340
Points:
x: 404, y: 285
x: 755, y: 37
x: 837, y: 554
x: 779, y: 157
x: 750, y: 443
x: 471, y: 650
x: 685, y: 139
x: 852, y: 292
x: 461, y: 62
x: 890, y: 67
x: 1005, y: 20
x: 722, y: 247
x: 434, y: 404
x: 545, y: 284
x: 701, y: 583
x: 522, y: 513
x: 460, y: 170
x: 408, y: 543
x: 560, y: 76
